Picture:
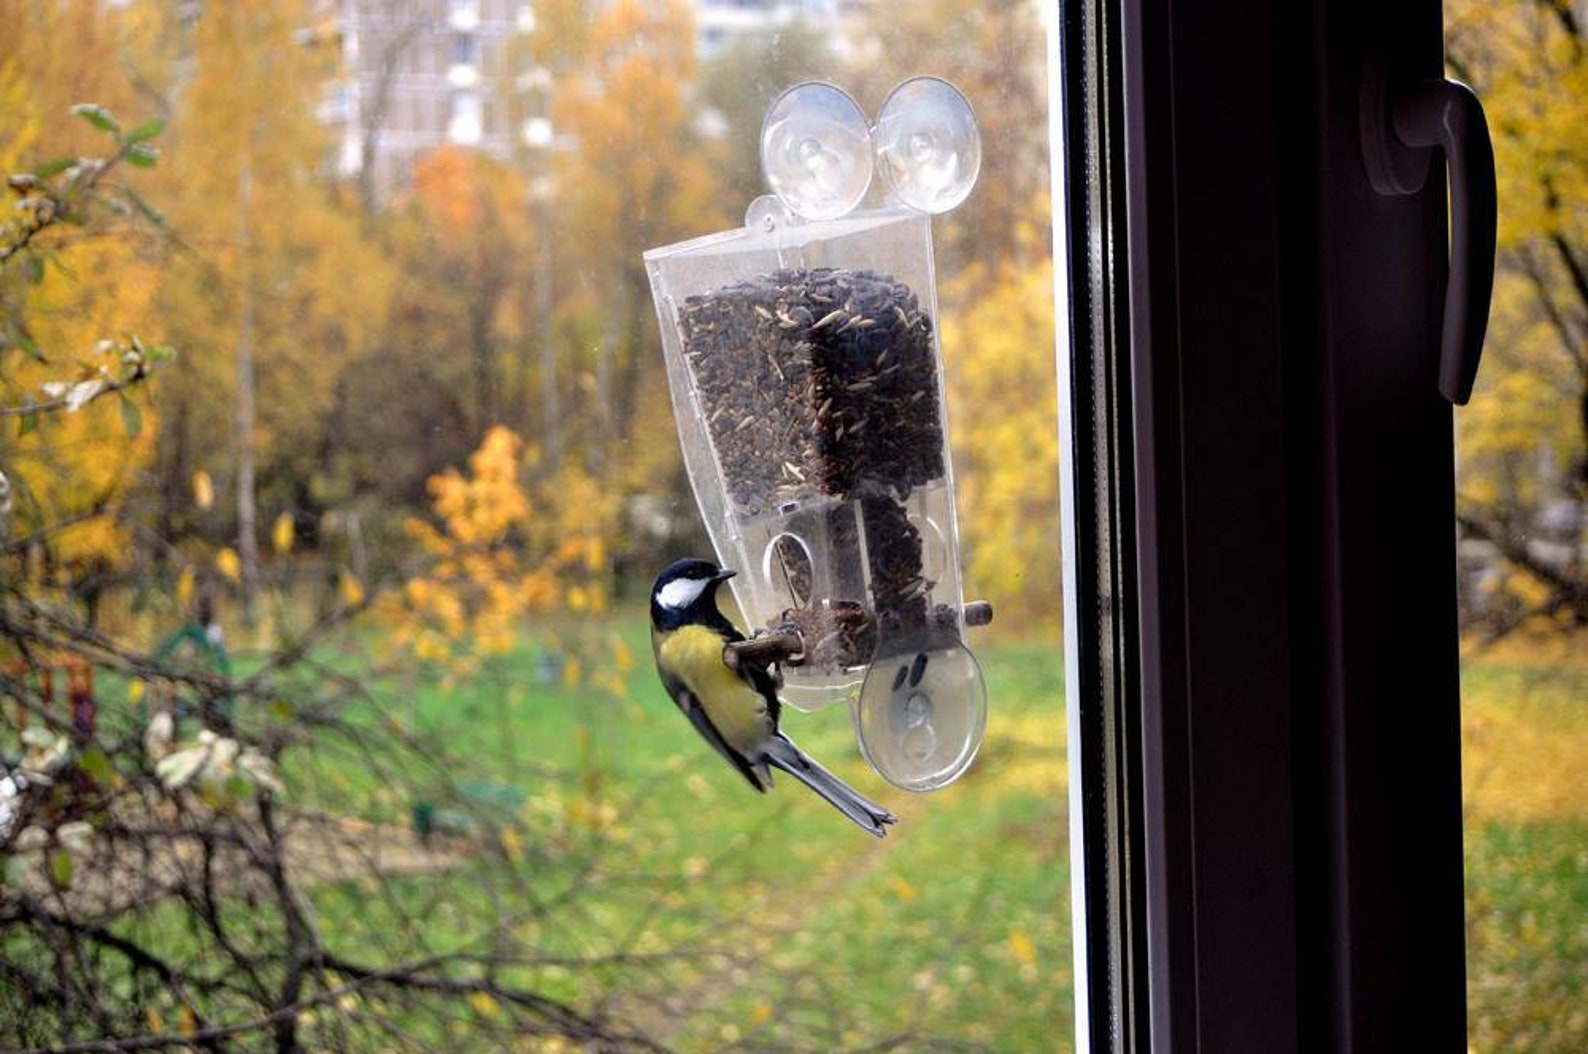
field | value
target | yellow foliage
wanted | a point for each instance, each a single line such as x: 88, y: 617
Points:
x: 1529, y: 63
x: 1026, y: 751
x: 76, y: 467
x: 512, y: 844
x: 1002, y: 389
x: 240, y: 181
x: 282, y: 533
x: 499, y: 553
x: 229, y: 565
x: 1022, y: 949
x: 631, y: 117
x: 349, y: 588
x: 484, y: 1004
x: 203, y: 489
x: 622, y: 656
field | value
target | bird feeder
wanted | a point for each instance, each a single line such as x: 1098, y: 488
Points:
x: 807, y: 380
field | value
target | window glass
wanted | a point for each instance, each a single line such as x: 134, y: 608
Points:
x: 337, y: 459
x: 465, y: 49
x: 1522, y: 520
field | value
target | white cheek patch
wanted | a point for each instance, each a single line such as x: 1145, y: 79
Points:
x: 681, y: 592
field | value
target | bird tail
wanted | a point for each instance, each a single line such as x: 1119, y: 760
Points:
x: 781, y: 753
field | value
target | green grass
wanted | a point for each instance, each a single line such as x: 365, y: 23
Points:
x: 1527, y: 934
x: 955, y: 927
x: 645, y: 878
x: 1525, y: 745
x: 787, y: 926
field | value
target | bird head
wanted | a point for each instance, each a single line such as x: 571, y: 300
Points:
x: 684, y: 586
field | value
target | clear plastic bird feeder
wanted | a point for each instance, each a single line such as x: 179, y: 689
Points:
x: 802, y: 353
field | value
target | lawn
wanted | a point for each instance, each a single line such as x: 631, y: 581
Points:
x: 1525, y: 771
x: 650, y: 881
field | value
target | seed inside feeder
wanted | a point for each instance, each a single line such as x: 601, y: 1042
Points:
x: 821, y: 384
x: 818, y: 382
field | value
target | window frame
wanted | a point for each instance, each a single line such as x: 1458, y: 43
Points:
x: 1263, y: 672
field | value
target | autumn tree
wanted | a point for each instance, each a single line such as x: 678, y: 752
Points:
x: 738, y: 86
x: 496, y: 556
x: 71, y: 212
x: 464, y: 286
x: 1524, y: 439
x: 994, y: 54
x: 994, y: 288
x: 1002, y: 393
x: 276, y: 288
x: 637, y: 176
x: 174, y: 872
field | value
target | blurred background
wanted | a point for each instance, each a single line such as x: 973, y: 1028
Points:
x: 337, y: 457
x: 341, y: 458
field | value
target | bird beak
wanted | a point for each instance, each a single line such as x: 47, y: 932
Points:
x: 723, y: 574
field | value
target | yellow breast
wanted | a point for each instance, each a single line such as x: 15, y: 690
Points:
x: 694, y: 655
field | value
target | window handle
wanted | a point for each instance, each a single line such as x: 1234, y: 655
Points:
x: 1402, y: 125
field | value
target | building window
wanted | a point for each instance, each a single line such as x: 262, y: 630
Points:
x: 466, y: 124
x: 463, y: 14
x: 464, y: 69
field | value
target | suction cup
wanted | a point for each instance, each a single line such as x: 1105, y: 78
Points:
x: 816, y: 151
x: 766, y: 214
x: 928, y: 145
x: 923, y: 711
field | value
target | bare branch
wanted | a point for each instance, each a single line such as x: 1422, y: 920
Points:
x: 1570, y: 338
x: 141, y: 958
x: 563, y: 1018
x: 1575, y: 267
x: 1569, y: 594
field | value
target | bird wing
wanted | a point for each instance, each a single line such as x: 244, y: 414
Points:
x: 689, y: 703
x: 763, y: 684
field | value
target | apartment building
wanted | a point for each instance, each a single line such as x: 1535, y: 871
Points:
x: 424, y: 73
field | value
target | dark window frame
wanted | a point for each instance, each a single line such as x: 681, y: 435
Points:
x: 1265, y: 675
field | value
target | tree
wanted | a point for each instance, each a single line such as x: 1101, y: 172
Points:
x: 390, y: 36
x: 69, y: 475
x: 1002, y: 391
x: 1524, y: 440
x: 639, y: 177
x: 472, y: 266
x: 165, y: 859
x: 737, y: 88
x: 269, y: 311
x: 994, y: 54
x: 499, y: 555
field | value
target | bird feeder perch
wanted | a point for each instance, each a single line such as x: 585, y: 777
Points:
x: 807, y: 380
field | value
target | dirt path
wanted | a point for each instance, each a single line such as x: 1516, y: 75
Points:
x: 140, y: 858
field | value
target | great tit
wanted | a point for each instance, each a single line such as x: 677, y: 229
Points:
x: 736, y: 711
